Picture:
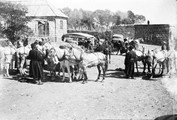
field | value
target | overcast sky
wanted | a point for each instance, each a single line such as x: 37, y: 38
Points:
x: 157, y: 11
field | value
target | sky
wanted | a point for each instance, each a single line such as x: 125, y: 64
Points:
x: 156, y: 11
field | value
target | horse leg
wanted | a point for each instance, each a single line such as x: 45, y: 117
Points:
x: 144, y: 69
x: 99, y: 73
x: 167, y: 65
x: 163, y: 67
x: 136, y: 62
x: 104, y: 72
x: 110, y: 57
x: 69, y: 72
x: 6, y: 70
x: 52, y: 74
x: 117, y: 51
x: 63, y: 71
x: 153, y: 69
x: 85, y: 75
x: 149, y: 66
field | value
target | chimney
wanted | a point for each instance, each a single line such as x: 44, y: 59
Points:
x: 148, y: 22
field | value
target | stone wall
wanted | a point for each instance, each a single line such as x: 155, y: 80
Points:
x: 153, y: 34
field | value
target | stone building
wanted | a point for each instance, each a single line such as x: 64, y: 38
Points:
x: 154, y: 33
x: 46, y: 20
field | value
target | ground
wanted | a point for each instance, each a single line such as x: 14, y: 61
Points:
x: 115, y: 98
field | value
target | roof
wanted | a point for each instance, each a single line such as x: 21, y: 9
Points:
x: 82, y: 35
x: 40, y: 8
x: 117, y: 37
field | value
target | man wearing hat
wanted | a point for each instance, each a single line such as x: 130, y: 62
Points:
x: 129, y: 63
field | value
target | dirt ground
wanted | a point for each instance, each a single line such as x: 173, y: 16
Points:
x: 115, y: 98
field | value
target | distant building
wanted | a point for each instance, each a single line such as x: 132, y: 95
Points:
x: 47, y: 21
x: 153, y: 33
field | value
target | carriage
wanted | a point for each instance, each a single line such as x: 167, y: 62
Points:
x: 117, y: 37
x: 118, y: 43
x: 81, y: 39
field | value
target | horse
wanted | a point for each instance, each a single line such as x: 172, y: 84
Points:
x: 59, y: 56
x: 119, y: 46
x: 87, y: 60
x: 135, y: 42
x: 21, y: 53
x: 105, y: 48
x: 159, y: 58
x: 145, y: 58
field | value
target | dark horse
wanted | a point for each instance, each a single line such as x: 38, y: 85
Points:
x: 105, y: 48
x: 119, y: 46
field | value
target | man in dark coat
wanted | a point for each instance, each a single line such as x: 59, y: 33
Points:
x: 129, y: 63
x: 36, y: 69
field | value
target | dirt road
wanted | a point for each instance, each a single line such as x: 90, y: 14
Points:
x: 115, y: 98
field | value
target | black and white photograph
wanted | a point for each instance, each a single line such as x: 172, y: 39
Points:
x: 88, y: 59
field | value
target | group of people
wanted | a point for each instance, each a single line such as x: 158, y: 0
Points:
x: 35, y: 55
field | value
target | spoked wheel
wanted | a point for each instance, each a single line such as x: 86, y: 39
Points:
x: 158, y: 70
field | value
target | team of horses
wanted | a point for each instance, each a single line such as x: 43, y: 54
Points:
x: 76, y: 60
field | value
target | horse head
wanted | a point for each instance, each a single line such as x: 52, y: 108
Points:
x: 76, y: 54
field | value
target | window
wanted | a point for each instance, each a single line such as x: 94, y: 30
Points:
x: 43, y: 28
x: 61, y: 24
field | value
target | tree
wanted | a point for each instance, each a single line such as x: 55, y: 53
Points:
x: 87, y: 20
x: 104, y: 16
x: 131, y: 17
x: 140, y: 19
x: 15, y: 20
x: 116, y: 19
x: 67, y: 11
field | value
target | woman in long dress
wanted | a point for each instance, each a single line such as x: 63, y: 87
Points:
x: 36, y: 69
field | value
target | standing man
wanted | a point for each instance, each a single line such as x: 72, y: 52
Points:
x: 129, y: 63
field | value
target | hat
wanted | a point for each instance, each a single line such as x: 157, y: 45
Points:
x: 131, y: 47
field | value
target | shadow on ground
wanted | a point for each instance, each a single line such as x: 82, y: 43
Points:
x: 119, y: 73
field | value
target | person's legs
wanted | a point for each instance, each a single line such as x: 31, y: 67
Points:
x: 131, y: 73
x: 40, y: 74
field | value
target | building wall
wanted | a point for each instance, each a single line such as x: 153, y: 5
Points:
x: 61, y: 28
x: 55, y: 31
x: 153, y: 34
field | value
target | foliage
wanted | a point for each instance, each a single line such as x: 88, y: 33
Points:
x: 98, y: 19
x: 15, y: 20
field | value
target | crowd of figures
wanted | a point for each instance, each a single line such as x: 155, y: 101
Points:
x: 43, y: 55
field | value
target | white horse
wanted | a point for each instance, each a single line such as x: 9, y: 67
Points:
x: 159, y: 58
x: 22, y: 53
x: 86, y: 60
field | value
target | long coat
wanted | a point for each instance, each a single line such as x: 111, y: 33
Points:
x: 129, y: 63
x: 36, y: 69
